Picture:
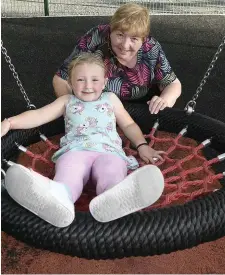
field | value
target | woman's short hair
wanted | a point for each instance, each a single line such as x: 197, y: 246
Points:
x: 131, y: 18
x: 84, y: 58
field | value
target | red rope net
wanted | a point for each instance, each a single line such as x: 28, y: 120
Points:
x: 187, y: 172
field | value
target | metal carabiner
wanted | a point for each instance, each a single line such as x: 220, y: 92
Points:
x: 190, y: 107
x: 31, y: 107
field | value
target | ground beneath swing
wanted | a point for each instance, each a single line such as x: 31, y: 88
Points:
x: 18, y: 257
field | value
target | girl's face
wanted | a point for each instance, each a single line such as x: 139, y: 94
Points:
x: 125, y: 46
x: 88, y: 81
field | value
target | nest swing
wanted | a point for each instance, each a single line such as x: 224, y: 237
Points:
x: 191, y: 210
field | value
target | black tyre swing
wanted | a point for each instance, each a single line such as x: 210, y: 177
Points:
x: 143, y: 233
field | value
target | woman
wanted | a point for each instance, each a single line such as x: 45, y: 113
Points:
x: 134, y: 60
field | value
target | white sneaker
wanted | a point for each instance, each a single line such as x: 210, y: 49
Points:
x: 140, y: 189
x: 45, y: 198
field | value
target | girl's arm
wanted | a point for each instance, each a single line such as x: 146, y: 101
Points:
x: 126, y: 123
x: 133, y: 132
x: 34, y: 118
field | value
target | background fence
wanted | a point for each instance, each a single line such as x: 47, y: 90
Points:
x: 30, y: 8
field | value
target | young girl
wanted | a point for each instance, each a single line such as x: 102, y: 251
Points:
x: 91, y: 148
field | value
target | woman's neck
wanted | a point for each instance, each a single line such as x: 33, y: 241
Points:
x: 130, y: 64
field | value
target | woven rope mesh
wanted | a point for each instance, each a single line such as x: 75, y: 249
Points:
x: 28, y: 8
x: 187, y: 172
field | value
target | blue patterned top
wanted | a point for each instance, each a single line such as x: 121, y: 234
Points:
x: 91, y: 126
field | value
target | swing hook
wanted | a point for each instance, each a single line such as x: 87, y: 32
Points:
x: 190, y: 107
x: 31, y: 106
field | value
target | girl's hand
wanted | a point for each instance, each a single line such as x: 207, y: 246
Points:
x: 157, y: 104
x: 5, y: 127
x: 148, y: 154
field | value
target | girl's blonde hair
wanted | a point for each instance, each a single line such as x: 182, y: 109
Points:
x: 85, y: 58
x: 131, y: 18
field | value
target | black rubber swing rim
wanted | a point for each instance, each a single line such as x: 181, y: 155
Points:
x: 158, y: 231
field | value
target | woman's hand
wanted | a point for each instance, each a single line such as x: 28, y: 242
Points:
x: 148, y: 154
x: 5, y: 127
x: 157, y: 104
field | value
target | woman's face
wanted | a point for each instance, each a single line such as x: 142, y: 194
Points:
x: 124, y: 45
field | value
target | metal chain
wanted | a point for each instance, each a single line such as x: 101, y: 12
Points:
x: 190, y: 107
x: 15, y: 75
x: 19, y: 83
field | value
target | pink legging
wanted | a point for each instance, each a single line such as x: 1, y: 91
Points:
x: 75, y: 168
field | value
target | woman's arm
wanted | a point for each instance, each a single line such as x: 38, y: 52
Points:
x: 171, y: 92
x: 61, y: 86
x: 167, y: 98
x: 34, y: 118
x: 89, y: 42
x: 166, y: 79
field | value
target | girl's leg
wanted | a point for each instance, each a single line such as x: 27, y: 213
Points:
x: 73, y: 169
x: 48, y: 199
x: 140, y: 189
x: 44, y: 197
x: 107, y: 171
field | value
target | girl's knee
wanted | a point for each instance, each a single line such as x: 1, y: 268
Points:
x: 113, y: 162
x: 109, y: 178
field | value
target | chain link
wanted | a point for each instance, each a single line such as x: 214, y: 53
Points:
x: 190, y: 107
x: 16, y: 77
